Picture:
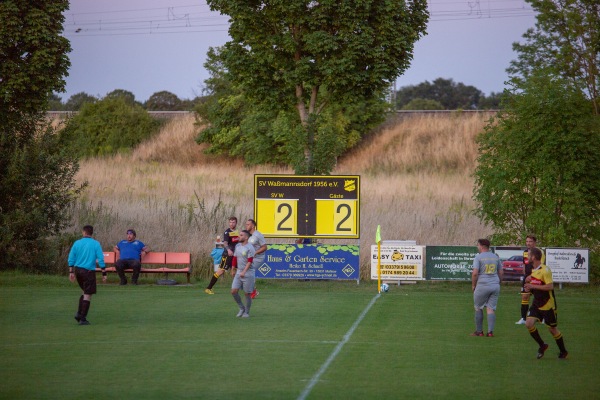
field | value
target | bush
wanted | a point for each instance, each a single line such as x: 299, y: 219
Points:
x: 106, y: 127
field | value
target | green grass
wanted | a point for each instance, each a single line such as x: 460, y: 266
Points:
x: 159, y: 342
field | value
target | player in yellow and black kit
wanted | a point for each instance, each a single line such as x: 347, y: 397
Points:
x: 230, y: 239
x: 540, y: 284
x: 530, y: 242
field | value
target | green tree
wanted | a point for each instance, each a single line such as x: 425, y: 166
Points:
x: 565, y: 42
x: 449, y: 94
x: 307, y: 56
x: 37, y: 178
x: 122, y: 93
x: 163, y: 101
x: 55, y: 102
x: 537, y: 170
x: 423, y: 104
x: 77, y: 100
x: 108, y: 126
x: 260, y: 133
x: 491, y: 102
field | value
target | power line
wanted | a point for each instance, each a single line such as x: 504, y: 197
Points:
x: 175, y: 19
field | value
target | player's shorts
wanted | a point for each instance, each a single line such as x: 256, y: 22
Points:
x: 247, y: 283
x: 486, y: 296
x: 226, y: 262
x: 86, y: 279
x: 550, y: 317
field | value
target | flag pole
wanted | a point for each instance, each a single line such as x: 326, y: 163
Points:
x: 378, y: 239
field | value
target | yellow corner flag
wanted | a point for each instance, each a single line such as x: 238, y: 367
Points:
x: 378, y: 241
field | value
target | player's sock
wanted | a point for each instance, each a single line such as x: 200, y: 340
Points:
x: 80, y: 309
x: 85, y: 307
x: 213, y: 281
x: 524, y: 308
x: 248, y: 304
x: 479, y: 320
x: 238, y: 300
x: 560, y: 342
x: 536, y: 335
x: 491, y: 321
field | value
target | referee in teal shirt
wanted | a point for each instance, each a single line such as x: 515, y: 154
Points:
x: 82, y: 266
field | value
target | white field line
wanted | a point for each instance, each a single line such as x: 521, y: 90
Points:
x: 336, y: 351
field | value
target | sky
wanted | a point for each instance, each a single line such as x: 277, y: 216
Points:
x: 147, y: 46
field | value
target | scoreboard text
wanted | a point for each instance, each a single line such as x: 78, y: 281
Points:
x: 307, y: 206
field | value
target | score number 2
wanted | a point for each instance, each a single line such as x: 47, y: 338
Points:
x: 336, y: 217
x: 277, y: 217
x: 285, y: 210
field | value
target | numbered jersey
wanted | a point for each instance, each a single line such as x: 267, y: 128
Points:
x: 488, y: 266
x: 544, y: 300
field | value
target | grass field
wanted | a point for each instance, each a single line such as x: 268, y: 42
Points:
x: 314, y: 340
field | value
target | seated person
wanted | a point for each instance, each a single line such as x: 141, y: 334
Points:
x: 129, y: 255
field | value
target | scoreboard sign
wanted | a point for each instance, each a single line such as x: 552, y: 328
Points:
x: 307, y: 206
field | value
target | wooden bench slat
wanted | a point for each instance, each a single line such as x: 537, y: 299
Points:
x: 156, y: 258
x: 178, y: 258
x: 153, y: 258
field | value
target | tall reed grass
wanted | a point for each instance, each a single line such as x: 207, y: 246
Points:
x: 415, y: 177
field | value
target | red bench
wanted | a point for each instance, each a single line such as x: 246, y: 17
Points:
x: 156, y: 259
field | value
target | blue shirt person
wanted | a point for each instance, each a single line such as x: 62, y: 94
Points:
x: 129, y: 255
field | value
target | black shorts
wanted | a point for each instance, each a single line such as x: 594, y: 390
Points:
x: 86, y: 280
x: 226, y: 261
x: 549, y: 317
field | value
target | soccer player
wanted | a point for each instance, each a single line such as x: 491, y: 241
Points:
x: 260, y: 246
x: 540, y: 284
x: 486, y: 277
x: 530, y: 243
x: 244, y: 278
x: 82, y: 266
x: 230, y: 239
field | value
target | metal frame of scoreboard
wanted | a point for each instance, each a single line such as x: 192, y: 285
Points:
x: 292, y: 206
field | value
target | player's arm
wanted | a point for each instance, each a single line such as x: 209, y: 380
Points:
x: 246, y: 267
x: 100, y: 260
x: 474, y: 277
x: 548, y: 287
x: 261, y: 249
x: 226, y: 242
x: 500, y: 271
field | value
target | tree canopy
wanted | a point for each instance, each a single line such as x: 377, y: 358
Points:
x: 163, y: 101
x: 565, y: 42
x: 538, y: 169
x: 307, y: 56
x: 449, y: 94
x: 37, y: 176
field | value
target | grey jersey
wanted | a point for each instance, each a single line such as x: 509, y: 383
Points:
x: 257, y: 240
x: 488, y: 265
x: 243, y: 252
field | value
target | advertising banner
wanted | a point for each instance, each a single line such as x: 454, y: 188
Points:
x: 398, y: 262
x: 310, y: 261
x: 450, y: 263
x: 568, y: 265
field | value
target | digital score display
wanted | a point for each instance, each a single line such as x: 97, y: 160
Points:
x: 307, y: 206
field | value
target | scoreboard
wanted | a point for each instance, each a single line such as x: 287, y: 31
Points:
x: 320, y: 206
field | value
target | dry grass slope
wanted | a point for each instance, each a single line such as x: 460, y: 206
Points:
x: 416, y: 183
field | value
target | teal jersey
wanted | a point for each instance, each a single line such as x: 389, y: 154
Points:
x: 84, y: 254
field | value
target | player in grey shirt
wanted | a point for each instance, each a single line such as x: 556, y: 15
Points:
x: 486, y: 277
x: 260, y: 247
x: 244, y: 277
